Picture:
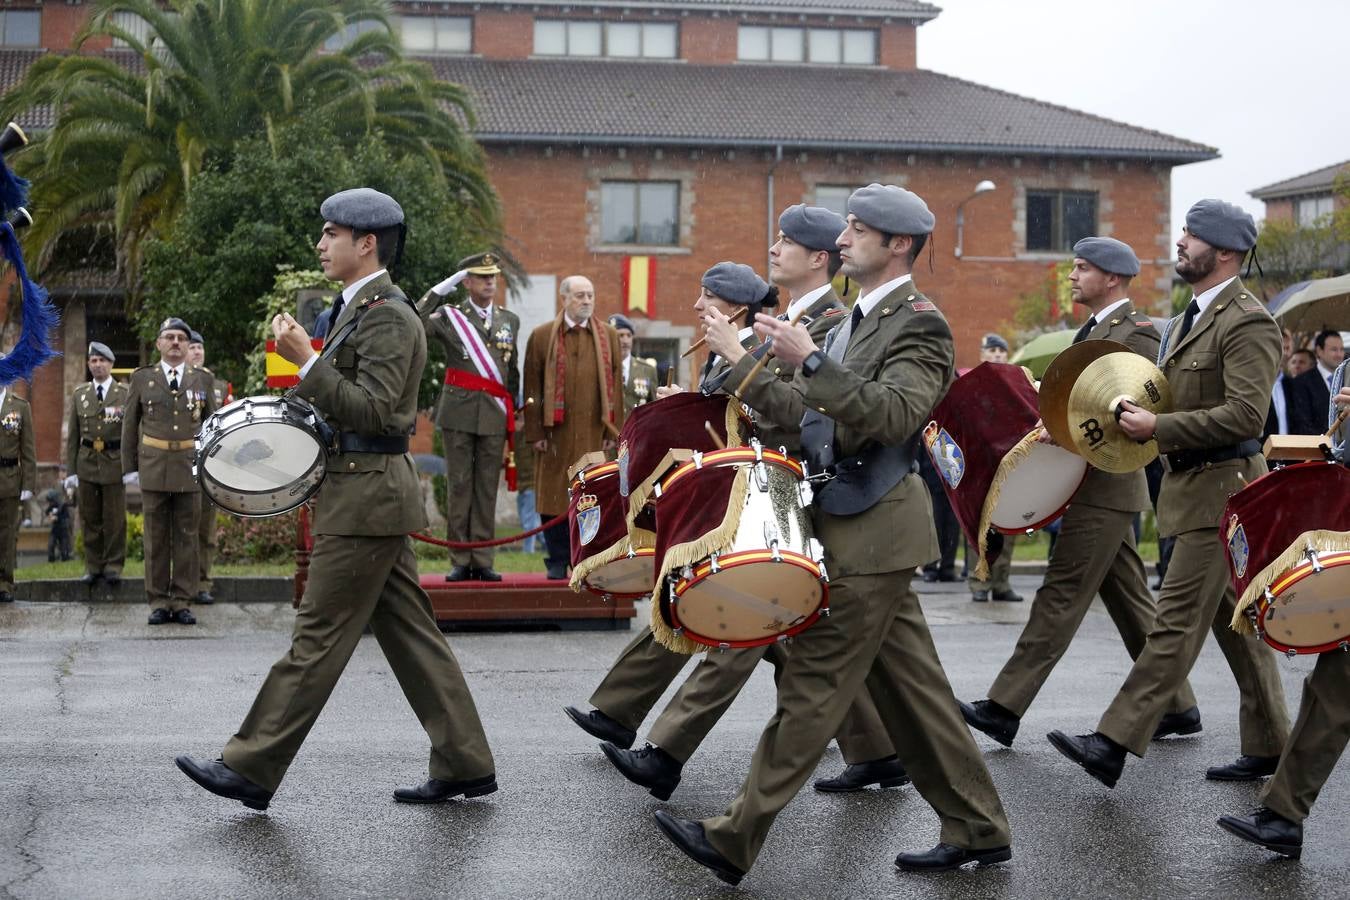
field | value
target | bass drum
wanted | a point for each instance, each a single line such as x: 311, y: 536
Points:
x: 261, y: 456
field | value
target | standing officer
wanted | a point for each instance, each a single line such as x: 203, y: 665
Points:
x: 865, y: 397
x: 1320, y: 733
x: 639, y: 375
x: 18, y: 475
x: 206, y: 517
x: 94, y: 457
x: 363, y: 571
x: 1095, y: 552
x: 165, y: 409
x: 1220, y: 360
x: 476, y: 408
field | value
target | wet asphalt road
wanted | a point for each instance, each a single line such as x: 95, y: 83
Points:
x: 95, y: 705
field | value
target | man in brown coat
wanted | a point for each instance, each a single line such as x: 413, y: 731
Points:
x: 18, y: 476
x: 94, y: 459
x: 1095, y: 552
x: 573, y: 386
x: 1220, y: 360
x: 165, y: 409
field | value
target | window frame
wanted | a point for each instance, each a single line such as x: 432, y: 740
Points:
x: 773, y: 34
x: 434, y: 19
x: 4, y: 27
x: 636, y: 221
x: 1058, y: 243
x: 605, y: 25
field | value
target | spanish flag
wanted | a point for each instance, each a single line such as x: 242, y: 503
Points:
x: 639, y: 285
x: 280, y: 373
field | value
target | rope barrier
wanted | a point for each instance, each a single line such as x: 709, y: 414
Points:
x: 495, y: 542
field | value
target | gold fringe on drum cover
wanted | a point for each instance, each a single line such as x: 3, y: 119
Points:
x: 1318, y: 541
x: 1020, y: 451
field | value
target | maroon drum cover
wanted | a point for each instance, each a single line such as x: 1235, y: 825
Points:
x: 1269, y: 526
x: 603, y: 558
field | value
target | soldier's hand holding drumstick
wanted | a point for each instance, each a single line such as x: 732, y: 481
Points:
x: 791, y: 343
x: 293, y: 343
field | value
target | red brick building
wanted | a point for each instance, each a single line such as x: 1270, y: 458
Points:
x: 1305, y: 199
x: 660, y: 136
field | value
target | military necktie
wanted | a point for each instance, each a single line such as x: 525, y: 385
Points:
x: 98, y: 389
x: 839, y: 346
x: 334, y: 311
x: 1192, y: 310
x: 1083, y: 332
x: 173, y: 381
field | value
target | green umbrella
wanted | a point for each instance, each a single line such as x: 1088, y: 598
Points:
x: 1037, y: 353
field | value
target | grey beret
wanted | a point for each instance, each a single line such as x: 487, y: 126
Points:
x: 622, y: 323
x: 173, y: 323
x: 195, y: 337
x: 738, y: 283
x: 1108, y: 254
x: 994, y: 341
x: 363, y: 208
x: 814, y: 227
x: 1222, y: 224
x: 891, y: 209
x: 98, y: 349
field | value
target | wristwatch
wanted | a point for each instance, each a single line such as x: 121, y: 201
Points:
x: 812, y: 363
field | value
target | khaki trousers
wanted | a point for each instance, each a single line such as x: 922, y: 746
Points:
x: 1197, y: 593
x: 170, y: 547
x: 473, y: 466
x: 9, y: 540
x: 206, y: 542
x: 875, y: 634
x: 637, y: 680
x: 1317, y: 741
x: 355, y: 582
x: 999, y: 571
x: 103, y: 522
x: 716, y: 681
x: 1095, y: 553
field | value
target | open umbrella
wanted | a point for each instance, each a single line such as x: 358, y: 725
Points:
x: 1324, y: 303
x: 1036, y: 353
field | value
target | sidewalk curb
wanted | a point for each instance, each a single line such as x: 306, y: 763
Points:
x: 236, y: 589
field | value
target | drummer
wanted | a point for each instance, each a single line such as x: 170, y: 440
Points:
x: 1220, y: 359
x: 801, y: 262
x: 1095, y: 552
x: 1320, y: 733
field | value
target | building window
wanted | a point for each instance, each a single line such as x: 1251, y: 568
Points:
x: 1056, y: 220
x: 436, y: 34
x: 133, y: 25
x: 819, y: 46
x: 834, y: 197
x: 622, y: 40
x: 1307, y: 210
x: 640, y: 212
x: 20, y: 27
x: 349, y: 34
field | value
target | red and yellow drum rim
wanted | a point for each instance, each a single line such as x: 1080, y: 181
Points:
x: 732, y: 456
x: 745, y: 558
x: 594, y: 473
x: 1282, y: 584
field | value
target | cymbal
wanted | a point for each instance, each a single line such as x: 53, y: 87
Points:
x: 1058, y: 381
x: 1093, y: 402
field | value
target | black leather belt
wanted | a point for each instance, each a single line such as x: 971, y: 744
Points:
x: 351, y: 442
x: 8, y: 462
x: 1186, y: 460
x: 100, y: 445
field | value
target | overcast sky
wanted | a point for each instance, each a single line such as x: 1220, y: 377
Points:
x: 1267, y: 83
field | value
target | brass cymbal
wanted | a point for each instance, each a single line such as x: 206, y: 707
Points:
x: 1094, y: 399
x: 1058, y: 381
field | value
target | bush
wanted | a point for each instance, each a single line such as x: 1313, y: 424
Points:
x: 255, y: 540
x: 135, y: 536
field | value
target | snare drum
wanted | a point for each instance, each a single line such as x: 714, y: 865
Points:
x: 1288, y: 540
x: 604, y: 560
x: 734, y: 534
x: 261, y: 456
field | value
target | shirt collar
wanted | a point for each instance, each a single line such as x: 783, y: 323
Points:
x: 806, y: 301
x: 570, y: 324
x: 1101, y: 316
x: 1326, y: 373
x: 103, y: 384
x: 169, y: 370
x: 1205, y: 299
x: 867, y: 302
x: 351, y: 290
x: 484, y: 311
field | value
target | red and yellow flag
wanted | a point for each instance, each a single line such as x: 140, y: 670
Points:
x: 280, y: 373
x: 639, y: 285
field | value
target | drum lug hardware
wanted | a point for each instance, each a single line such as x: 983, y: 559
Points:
x: 723, y: 648
x: 759, y: 449
x: 656, y: 491
x: 773, y: 550
x: 1344, y: 645
x: 607, y: 598
x: 1313, y: 560
x: 698, y: 459
x: 713, y: 566
x: 631, y: 552
x: 678, y: 632
x: 761, y: 474
x: 825, y: 612
x: 1291, y: 653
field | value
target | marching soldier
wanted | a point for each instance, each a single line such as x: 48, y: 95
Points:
x: 18, y: 475
x: 206, y: 517
x: 476, y: 408
x: 1220, y: 359
x: 165, y: 409
x: 639, y: 375
x: 94, y: 458
x: 1095, y: 552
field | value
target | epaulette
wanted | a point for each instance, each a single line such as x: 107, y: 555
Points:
x: 1141, y: 320
x: 837, y: 311
x: 1247, y: 302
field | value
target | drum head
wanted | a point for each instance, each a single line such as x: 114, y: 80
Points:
x: 749, y: 604
x: 1039, y: 489
x: 266, y: 456
x: 1311, y: 611
x: 626, y: 577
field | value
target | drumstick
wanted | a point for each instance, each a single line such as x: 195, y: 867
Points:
x: 670, y: 376
x: 764, y: 360
x: 1339, y: 421
x: 612, y: 430
x: 740, y: 314
x: 712, y: 433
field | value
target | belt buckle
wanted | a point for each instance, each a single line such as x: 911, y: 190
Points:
x: 98, y: 445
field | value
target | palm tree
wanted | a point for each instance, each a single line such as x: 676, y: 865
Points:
x: 134, y: 126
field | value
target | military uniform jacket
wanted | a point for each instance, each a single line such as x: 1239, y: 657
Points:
x: 819, y: 318
x: 220, y: 388
x: 155, y: 412
x: 369, y: 386
x: 95, y: 421
x: 1221, y: 374
x: 462, y: 409
x: 640, y: 385
x: 899, y: 364
x: 17, y: 444
x: 1124, y: 492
